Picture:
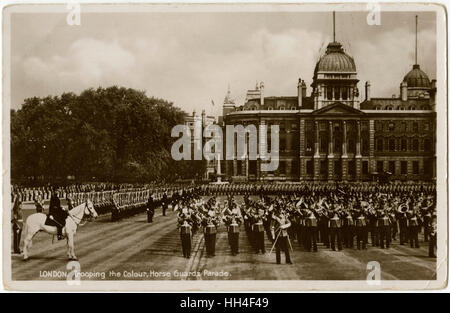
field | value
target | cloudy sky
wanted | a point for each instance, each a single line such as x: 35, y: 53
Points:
x: 190, y: 58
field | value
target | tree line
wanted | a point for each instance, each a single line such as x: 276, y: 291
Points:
x: 111, y: 134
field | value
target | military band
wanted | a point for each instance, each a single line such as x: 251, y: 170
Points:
x: 332, y: 215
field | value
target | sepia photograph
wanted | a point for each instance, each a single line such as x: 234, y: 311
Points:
x: 224, y: 146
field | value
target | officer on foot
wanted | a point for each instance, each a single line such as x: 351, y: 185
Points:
x: 150, y: 209
x: 185, y: 226
x: 17, y: 223
x: 281, y: 236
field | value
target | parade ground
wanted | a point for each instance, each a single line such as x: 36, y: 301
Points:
x: 132, y: 249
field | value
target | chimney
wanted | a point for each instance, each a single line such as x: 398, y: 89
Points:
x: 261, y: 89
x: 367, y: 90
x: 299, y: 93
x: 203, y: 118
x: 303, y: 89
x: 404, y: 91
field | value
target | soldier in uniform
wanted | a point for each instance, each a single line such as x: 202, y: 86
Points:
x: 164, y: 204
x: 335, y: 230
x: 413, y: 228
x: 384, y: 228
x: 185, y: 225
x: 347, y: 229
x: 39, y: 204
x: 210, y: 223
x: 258, y: 231
x: 433, y: 236
x: 402, y: 223
x: 233, y: 219
x: 361, y: 230
x: 57, y: 214
x: 150, y: 209
x: 17, y: 223
x: 311, y: 231
x: 281, y: 236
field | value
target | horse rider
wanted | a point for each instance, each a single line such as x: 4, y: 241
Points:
x: 17, y: 223
x: 57, y: 214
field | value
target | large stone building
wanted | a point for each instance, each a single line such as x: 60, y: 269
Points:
x: 331, y: 136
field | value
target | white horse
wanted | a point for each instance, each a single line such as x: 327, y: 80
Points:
x: 36, y: 222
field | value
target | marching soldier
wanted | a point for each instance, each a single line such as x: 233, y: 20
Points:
x: 432, y: 244
x: 185, y: 225
x: 348, y: 230
x: 210, y: 224
x: 361, y: 230
x: 403, y: 223
x: 413, y: 228
x: 258, y: 231
x: 311, y: 231
x: 335, y: 224
x: 233, y: 219
x: 281, y: 236
x: 384, y: 228
x: 17, y: 223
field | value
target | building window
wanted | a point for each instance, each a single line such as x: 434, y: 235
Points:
x: 329, y: 93
x: 404, y: 167
x: 252, y: 165
x: 392, y: 167
x: 323, y: 167
x: 365, y: 146
x: 293, y: 108
x: 309, y: 167
x: 404, y: 144
x: 415, y: 145
x: 391, y: 126
x: 391, y: 144
x: 323, y: 143
x: 365, y: 167
x: 351, y: 167
x: 294, y: 167
x: 415, y: 127
x: 351, y: 145
x: 379, y: 144
x: 337, y: 168
x: 380, y: 166
x: 427, y: 145
x: 415, y: 167
x: 344, y: 93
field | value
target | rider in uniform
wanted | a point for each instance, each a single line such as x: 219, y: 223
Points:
x: 57, y: 214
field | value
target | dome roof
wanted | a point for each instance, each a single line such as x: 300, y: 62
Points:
x: 417, y: 78
x: 335, y: 60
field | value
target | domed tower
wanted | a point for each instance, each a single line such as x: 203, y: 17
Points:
x: 335, y: 77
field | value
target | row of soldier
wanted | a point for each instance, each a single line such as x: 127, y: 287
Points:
x: 291, y: 188
x: 337, y: 219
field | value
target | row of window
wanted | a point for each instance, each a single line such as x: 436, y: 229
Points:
x: 402, y: 108
x: 403, y: 144
x: 402, y: 126
x: 392, y: 168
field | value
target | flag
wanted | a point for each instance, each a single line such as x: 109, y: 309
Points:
x: 212, y: 102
